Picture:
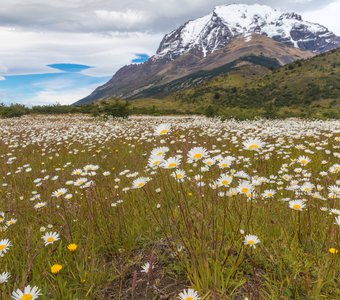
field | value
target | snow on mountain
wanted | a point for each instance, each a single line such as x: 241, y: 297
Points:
x: 215, y: 30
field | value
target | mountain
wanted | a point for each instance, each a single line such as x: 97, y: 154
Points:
x: 190, y: 54
x: 209, y: 33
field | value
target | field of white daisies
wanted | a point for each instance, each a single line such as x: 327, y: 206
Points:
x: 169, y: 208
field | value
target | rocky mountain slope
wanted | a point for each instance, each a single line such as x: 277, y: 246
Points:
x: 224, y: 36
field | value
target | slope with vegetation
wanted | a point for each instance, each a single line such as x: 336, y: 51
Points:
x: 312, y: 84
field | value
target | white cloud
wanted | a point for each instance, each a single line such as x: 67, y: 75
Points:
x: 29, y: 52
x: 67, y: 96
x: 2, y: 78
x: 124, y: 19
x: 327, y: 16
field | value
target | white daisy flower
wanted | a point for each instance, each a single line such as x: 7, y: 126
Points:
x: 251, y: 240
x: 28, y: 293
x: 50, y: 237
x: 189, y: 294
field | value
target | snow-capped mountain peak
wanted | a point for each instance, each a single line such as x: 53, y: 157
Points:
x: 215, y: 30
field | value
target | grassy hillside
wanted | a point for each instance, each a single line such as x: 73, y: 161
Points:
x: 297, y: 84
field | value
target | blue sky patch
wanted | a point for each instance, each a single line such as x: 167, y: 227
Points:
x: 140, y: 58
x: 74, y: 68
x: 31, y: 88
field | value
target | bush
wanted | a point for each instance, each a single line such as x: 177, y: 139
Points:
x: 13, y: 111
x: 117, y: 109
x: 210, y: 111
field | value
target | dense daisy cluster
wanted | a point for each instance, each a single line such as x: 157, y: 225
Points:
x: 235, y: 203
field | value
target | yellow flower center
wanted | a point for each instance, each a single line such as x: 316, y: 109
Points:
x: 224, y: 165
x: 225, y: 182
x: 303, y: 161
x: 159, y: 153
x: 26, y: 297
x: 50, y: 239
x: 179, y: 176
x: 189, y: 298
x: 244, y: 190
x: 172, y: 165
x: 297, y: 206
x: 253, y: 146
x: 163, y: 131
x: 141, y: 184
x: 2, y: 247
x: 156, y: 162
x: 251, y: 242
x: 197, y: 155
x: 270, y: 194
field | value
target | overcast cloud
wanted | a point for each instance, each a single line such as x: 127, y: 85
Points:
x: 105, y: 34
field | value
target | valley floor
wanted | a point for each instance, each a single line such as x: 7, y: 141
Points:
x: 169, y: 208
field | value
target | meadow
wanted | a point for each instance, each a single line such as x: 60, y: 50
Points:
x: 169, y: 208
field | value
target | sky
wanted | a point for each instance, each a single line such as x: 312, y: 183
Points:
x: 59, y: 51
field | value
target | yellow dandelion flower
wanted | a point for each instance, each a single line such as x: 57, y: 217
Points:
x: 72, y: 247
x: 56, y: 268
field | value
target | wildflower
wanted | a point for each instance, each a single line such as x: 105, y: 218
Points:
x: 197, y: 153
x: 160, y: 151
x: 245, y: 187
x: 140, y: 182
x: 226, y: 162
x: 303, y: 160
x: 56, y: 268
x: 209, y: 161
x: 333, y: 251
x: 251, y: 240
x: 4, y: 277
x: 68, y: 196
x: 40, y: 205
x: 11, y: 222
x: 28, y: 293
x: 155, y: 161
x: 80, y: 181
x: 146, y: 268
x: 60, y: 192
x: 297, y: 204
x: 171, y: 163
x: 72, y: 247
x: 224, y: 180
x: 179, y: 175
x: 50, y: 237
x: 162, y: 129
x: 253, y: 144
x: 269, y: 193
x: 189, y: 294
x: 4, y: 246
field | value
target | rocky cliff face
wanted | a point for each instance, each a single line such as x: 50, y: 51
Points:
x: 209, y: 42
